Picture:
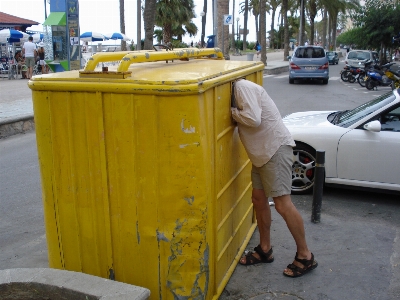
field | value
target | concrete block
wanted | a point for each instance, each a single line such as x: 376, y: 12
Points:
x: 43, y: 283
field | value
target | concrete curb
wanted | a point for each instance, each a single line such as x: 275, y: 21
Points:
x: 20, y: 124
x: 274, y: 70
x: 43, y: 283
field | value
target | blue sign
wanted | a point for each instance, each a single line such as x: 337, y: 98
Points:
x: 57, y: 6
x: 228, y: 19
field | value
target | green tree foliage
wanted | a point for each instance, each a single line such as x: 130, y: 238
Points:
x: 378, y: 22
x: 174, y: 17
x: 353, y: 37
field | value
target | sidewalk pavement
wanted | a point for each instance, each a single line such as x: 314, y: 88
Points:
x: 16, y: 109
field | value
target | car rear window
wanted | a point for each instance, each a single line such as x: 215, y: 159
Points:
x: 310, y: 52
x: 359, y: 55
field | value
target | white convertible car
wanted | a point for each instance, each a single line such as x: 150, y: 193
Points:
x: 362, y: 145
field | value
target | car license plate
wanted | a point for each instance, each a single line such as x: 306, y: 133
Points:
x: 310, y: 68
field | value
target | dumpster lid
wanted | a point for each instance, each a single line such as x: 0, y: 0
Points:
x: 188, y: 70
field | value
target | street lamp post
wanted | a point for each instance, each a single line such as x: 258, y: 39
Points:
x: 237, y: 28
x: 203, y: 26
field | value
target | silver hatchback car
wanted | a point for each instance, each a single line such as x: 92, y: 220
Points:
x: 309, y: 62
x: 357, y: 58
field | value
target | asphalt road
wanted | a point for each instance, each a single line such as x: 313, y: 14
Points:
x: 357, y: 243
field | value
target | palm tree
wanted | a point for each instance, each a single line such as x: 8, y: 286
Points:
x: 263, y: 28
x: 189, y: 28
x: 312, y: 11
x: 170, y: 14
x: 254, y: 8
x: 334, y: 7
x: 302, y: 22
x: 233, y: 26
x: 139, y: 24
x: 149, y: 21
x: 285, y: 4
x: 122, y: 22
x: 223, y: 31
x: 246, y: 12
x: 273, y: 5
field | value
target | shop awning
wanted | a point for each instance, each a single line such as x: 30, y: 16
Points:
x: 56, y: 18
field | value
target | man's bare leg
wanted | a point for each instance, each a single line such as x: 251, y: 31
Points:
x: 29, y: 73
x: 263, y: 214
x: 294, y: 222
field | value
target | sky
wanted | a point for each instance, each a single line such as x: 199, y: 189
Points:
x: 103, y: 16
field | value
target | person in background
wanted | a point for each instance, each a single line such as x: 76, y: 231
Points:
x: 268, y: 144
x: 257, y: 47
x: 29, y: 51
x: 42, y: 63
x: 20, y: 64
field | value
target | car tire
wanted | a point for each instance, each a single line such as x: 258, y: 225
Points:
x: 325, y: 81
x: 303, y: 169
x: 291, y: 80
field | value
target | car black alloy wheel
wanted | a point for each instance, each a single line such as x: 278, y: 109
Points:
x: 303, y: 169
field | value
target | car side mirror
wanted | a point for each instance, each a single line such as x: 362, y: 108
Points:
x: 374, y: 126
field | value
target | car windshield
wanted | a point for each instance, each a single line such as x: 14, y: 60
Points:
x: 330, y: 53
x: 309, y: 52
x: 349, y: 117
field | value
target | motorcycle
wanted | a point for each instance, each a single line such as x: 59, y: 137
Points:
x: 362, y: 76
x: 347, y: 74
x: 377, y: 77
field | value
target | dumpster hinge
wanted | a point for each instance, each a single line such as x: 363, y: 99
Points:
x: 112, y: 275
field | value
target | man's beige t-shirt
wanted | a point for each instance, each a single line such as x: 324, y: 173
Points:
x: 261, y: 128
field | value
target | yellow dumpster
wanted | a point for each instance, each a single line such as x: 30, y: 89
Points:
x: 144, y: 178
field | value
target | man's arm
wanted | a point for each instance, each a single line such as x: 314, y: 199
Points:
x: 249, y: 115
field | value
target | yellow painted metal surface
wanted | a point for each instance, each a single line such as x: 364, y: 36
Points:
x: 144, y: 178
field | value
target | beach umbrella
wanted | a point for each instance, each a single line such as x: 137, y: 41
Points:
x: 37, y: 37
x: 12, y: 36
x: 118, y: 36
x: 92, y: 36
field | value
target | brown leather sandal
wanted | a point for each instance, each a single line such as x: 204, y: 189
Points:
x: 308, y: 265
x: 265, y: 257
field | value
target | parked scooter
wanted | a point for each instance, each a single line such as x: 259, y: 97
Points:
x: 394, y: 76
x: 378, y: 78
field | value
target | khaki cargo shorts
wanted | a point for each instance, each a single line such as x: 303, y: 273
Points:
x: 275, y: 177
